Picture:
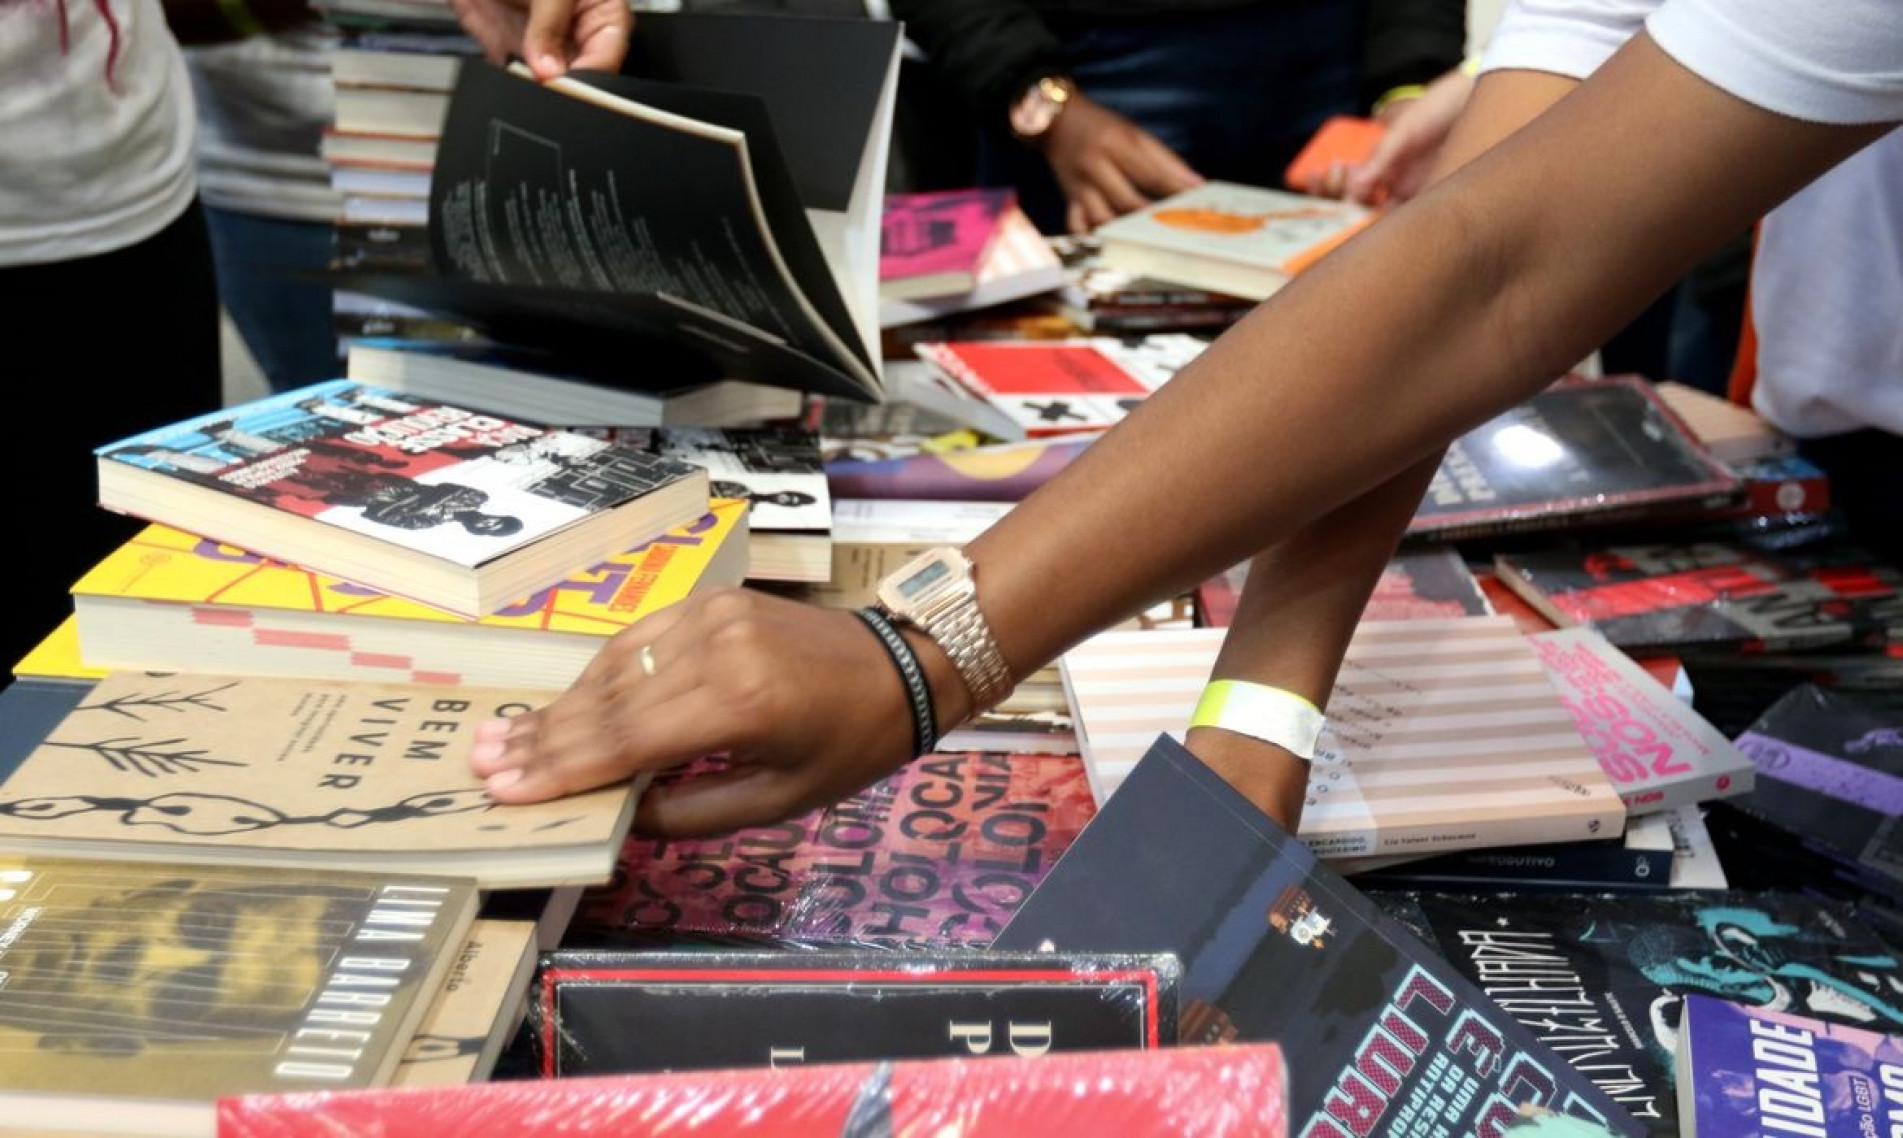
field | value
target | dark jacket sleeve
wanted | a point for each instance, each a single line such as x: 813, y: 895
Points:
x: 1410, y: 41
x: 988, y: 51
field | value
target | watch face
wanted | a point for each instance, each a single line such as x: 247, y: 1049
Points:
x: 925, y: 578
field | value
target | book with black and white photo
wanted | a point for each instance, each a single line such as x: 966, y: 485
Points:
x: 754, y: 257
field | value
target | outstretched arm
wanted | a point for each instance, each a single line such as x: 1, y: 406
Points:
x: 1456, y: 306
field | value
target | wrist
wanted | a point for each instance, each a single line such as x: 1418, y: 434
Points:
x: 1040, y: 107
x: 950, y: 697
x: 1395, y: 96
x: 1267, y: 775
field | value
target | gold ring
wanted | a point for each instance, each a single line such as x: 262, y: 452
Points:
x: 646, y: 657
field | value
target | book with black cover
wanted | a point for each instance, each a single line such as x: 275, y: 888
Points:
x: 1582, y: 451
x: 1709, y: 597
x: 704, y: 1010
x: 745, y: 261
x: 1276, y: 946
x: 1830, y: 770
x: 1600, y: 977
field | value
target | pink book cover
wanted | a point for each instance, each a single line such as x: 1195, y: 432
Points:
x: 940, y: 232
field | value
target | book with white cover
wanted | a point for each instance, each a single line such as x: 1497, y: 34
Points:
x: 1442, y: 735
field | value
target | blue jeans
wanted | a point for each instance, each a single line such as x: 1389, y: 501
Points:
x: 1234, y: 93
x: 269, y: 279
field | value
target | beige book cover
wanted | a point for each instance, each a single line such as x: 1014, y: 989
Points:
x: 135, y: 993
x: 476, y: 1010
x: 251, y: 770
x: 1442, y: 735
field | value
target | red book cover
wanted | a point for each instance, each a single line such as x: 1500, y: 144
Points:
x: 1238, y: 1091
x: 1057, y: 387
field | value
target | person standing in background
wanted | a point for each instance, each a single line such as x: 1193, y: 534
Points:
x: 263, y: 103
x: 106, y: 269
x: 1094, y: 108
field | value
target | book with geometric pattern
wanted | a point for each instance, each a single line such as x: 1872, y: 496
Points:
x: 1442, y: 735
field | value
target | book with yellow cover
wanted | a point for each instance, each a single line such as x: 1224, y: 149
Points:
x: 171, y: 601
x: 57, y: 657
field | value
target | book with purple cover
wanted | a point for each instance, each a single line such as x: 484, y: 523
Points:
x: 1748, y: 1072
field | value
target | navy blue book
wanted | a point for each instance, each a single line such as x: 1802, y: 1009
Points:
x: 1383, y: 1036
x: 29, y: 710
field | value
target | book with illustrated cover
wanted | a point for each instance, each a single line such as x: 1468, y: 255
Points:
x: 1061, y: 387
x: 709, y: 1010
x: 461, y: 510
x: 1017, y: 262
x: 1658, y: 752
x: 1418, y: 584
x: 1601, y: 977
x: 542, y: 387
x: 134, y: 993
x: 755, y: 259
x: 777, y: 471
x: 1104, y: 301
x: 272, y: 773
x: 1276, y: 946
x: 1583, y: 451
x: 1709, y: 597
x: 478, y: 1006
x: 1442, y: 735
x: 1247, y: 241
x: 1233, y: 1092
x: 1830, y: 772
x: 936, y: 855
x: 1746, y: 1072
x: 171, y: 601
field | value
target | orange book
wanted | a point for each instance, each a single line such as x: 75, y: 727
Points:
x: 1345, y: 140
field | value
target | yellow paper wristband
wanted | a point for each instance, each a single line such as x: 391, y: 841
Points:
x: 1397, y: 95
x: 1261, y: 712
x: 1470, y: 66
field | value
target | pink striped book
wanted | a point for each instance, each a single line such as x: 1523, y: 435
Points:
x: 1442, y: 735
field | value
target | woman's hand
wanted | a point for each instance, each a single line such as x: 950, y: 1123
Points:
x: 551, y: 36
x: 803, y: 699
x: 1404, y: 158
x: 1108, y: 166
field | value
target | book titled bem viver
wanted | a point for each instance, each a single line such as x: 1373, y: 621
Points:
x: 464, y: 511
x: 133, y: 994
x: 259, y: 771
x: 1276, y: 946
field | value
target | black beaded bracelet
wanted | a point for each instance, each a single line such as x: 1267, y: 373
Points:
x: 917, y: 691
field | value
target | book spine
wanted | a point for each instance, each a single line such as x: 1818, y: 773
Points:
x: 1560, y: 865
x: 1438, y: 837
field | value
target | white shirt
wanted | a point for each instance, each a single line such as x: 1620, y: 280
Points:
x: 89, y: 162
x: 1827, y: 279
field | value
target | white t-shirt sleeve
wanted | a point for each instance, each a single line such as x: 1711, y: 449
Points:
x: 1837, y: 61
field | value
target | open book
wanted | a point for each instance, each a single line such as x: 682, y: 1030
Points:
x: 715, y: 218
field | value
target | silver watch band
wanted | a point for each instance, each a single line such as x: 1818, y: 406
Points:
x: 960, y: 629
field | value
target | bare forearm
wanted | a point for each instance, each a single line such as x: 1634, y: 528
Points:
x: 1456, y: 306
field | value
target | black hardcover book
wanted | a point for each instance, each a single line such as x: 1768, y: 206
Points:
x: 1830, y: 771
x: 1709, y: 597
x: 1385, y: 1036
x: 1599, y: 977
x: 621, y: 1012
x: 1582, y: 451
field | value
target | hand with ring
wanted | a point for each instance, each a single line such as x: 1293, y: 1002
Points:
x: 802, y: 699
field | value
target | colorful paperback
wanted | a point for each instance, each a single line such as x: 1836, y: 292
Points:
x: 932, y: 243
x: 171, y: 601
x: 1748, y: 1072
x: 466, y: 511
x: 1276, y: 946
x: 1441, y: 735
x: 938, y: 854
x: 1658, y: 752
x: 1060, y: 387
x: 1600, y: 977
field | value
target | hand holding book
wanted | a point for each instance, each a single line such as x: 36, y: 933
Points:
x: 553, y: 36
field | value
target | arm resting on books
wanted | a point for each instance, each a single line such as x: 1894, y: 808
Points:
x: 1457, y: 305
x: 551, y: 36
